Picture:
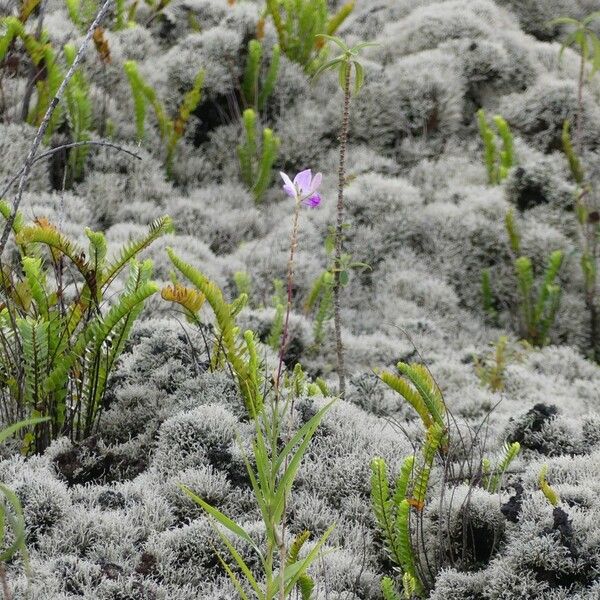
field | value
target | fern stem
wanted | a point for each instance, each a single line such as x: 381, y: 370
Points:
x: 339, y: 231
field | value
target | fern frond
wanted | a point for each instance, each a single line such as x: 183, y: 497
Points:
x: 388, y: 589
x: 433, y: 440
x: 407, y: 559
x: 427, y: 388
x: 227, y: 329
x: 510, y: 452
x: 34, y: 339
x: 192, y: 300
x: 383, y: 507
x: 403, y: 480
x: 409, y: 393
x: 36, y: 280
x: 158, y: 228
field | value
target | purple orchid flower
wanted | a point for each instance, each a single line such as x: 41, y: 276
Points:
x: 304, y: 187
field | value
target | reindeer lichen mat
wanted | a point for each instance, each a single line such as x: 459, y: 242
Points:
x: 299, y: 300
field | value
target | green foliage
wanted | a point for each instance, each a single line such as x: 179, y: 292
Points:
x: 12, y: 521
x: 575, y: 165
x: 589, y: 237
x: 57, y: 349
x: 497, y: 162
x: 538, y: 310
x: 491, y: 369
x: 256, y: 160
x: 279, y: 303
x: 299, y: 23
x: 426, y: 387
x: 243, y: 283
x: 79, y: 117
x: 392, y: 513
x: 272, y: 479
x: 321, y: 296
x: 170, y: 130
x: 514, y: 237
x: 546, y: 488
x: 493, y: 480
x: 228, y: 344
x: 488, y: 295
x: 537, y: 307
x: 82, y: 12
x: 582, y: 37
x: 256, y: 89
x: 345, y: 63
x: 321, y: 299
x: 388, y: 589
x: 433, y: 439
x: 41, y: 54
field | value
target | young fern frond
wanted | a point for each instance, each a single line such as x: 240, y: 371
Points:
x: 546, y: 488
x: 410, y: 394
x: 421, y: 379
x: 36, y: 279
x: 170, y: 130
x: 509, y: 453
x: 525, y: 281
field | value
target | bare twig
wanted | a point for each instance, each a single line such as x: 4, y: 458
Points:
x: 43, y: 155
x: 45, y: 122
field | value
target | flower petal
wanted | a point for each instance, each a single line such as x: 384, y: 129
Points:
x: 302, y: 181
x: 312, y: 201
x: 316, y: 182
x: 289, y: 187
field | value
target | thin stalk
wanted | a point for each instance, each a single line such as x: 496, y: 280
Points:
x: 579, y: 116
x: 6, y: 593
x: 339, y: 232
x: 290, y: 280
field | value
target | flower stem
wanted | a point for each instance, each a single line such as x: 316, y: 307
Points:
x: 290, y: 281
x: 339, y: 233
